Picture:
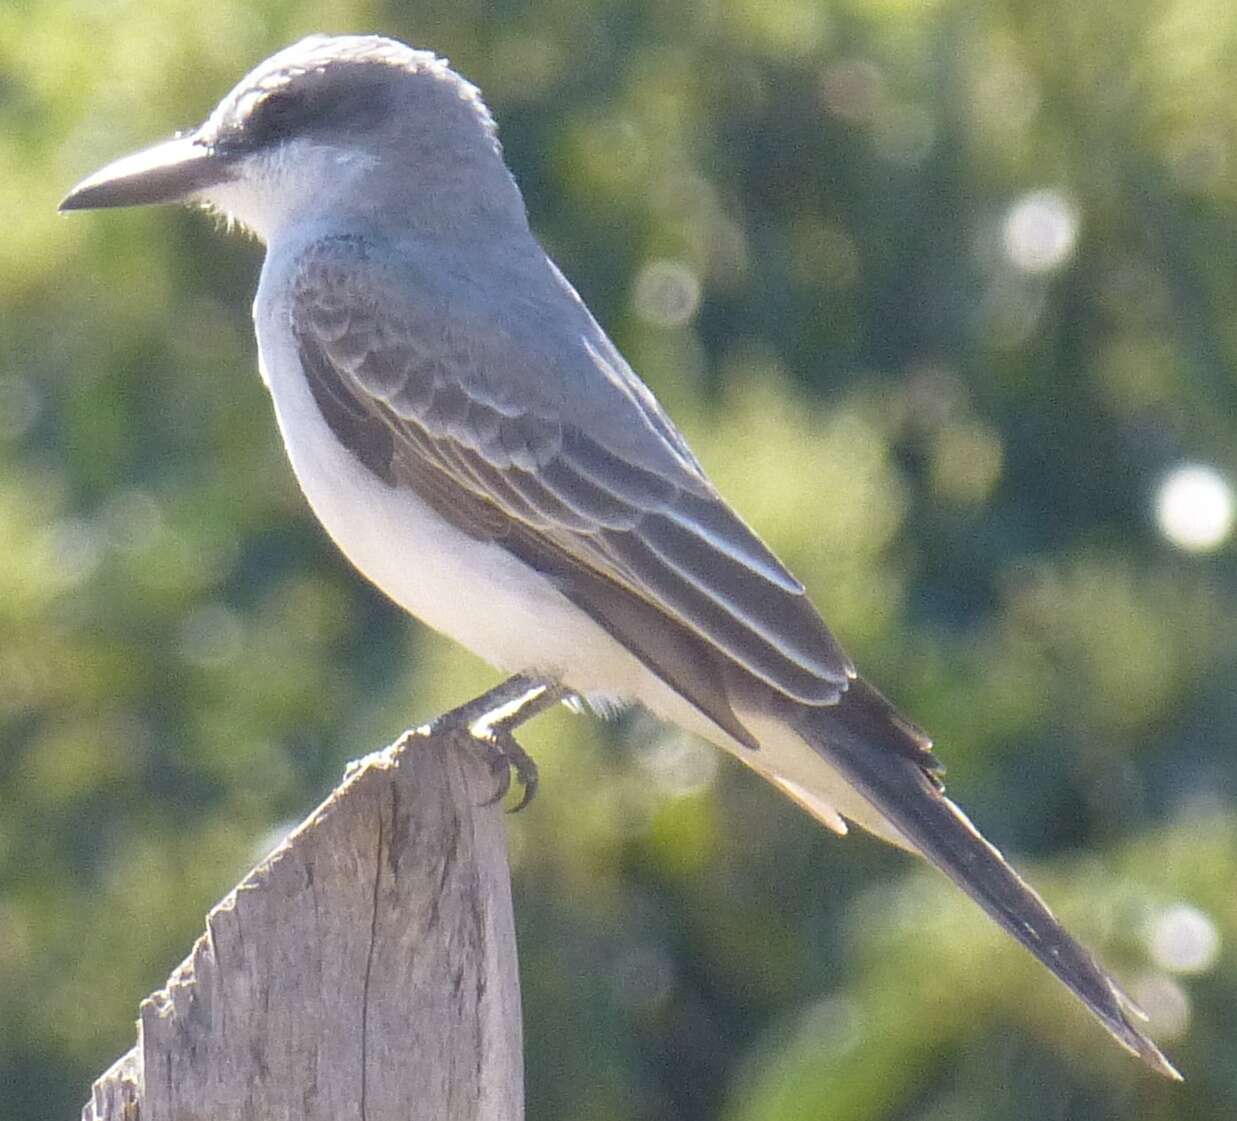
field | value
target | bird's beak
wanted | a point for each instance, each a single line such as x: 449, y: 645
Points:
x: 173, y: 171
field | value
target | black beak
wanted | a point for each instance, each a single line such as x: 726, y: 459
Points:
x: 173, y: 171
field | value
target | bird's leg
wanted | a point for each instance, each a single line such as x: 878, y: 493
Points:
x: 490, y: 721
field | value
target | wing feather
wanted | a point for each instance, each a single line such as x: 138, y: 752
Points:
x: 425, y: 396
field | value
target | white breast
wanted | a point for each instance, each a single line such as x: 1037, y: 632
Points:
x: 472, y: 591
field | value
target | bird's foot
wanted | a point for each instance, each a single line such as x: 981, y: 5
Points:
x: 504, y: 755
x: 489, y: 722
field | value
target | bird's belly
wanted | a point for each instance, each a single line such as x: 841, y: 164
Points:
x: 472, y: 591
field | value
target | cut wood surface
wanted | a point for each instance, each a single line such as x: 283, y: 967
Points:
x: 365, y: 969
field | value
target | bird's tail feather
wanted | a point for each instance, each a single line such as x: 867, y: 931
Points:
x: 890, y: 762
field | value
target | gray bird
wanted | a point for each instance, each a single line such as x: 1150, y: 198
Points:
x: 481, y: 451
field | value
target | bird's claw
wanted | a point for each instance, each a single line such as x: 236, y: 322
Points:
x: 505, y: 756
x: 492, y: 734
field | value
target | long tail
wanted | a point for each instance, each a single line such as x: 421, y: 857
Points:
x: 890, y: 762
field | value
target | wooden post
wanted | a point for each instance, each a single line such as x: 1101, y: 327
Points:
x: 365, y: 969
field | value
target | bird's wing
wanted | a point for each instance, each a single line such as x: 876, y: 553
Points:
x: 552, y: 448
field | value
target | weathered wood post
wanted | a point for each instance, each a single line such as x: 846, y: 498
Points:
x: 365, y: 969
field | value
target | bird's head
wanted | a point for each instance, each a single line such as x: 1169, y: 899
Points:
x: 357, y: 126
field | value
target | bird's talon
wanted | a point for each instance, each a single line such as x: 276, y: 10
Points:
x: 504, y: 757
x: 516, y: 759
x: 530, y: 792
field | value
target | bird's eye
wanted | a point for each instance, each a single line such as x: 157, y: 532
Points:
x: 276, y: 115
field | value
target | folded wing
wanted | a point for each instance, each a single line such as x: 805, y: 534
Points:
x: 479, y: 421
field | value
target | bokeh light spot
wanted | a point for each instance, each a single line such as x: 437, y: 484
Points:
x: 667, y: 293
x: 1182, y: 939
x: 1040, y: 231
x: 1194, y: 507
x: 1166, y: 1003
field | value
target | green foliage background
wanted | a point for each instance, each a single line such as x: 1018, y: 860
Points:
x: 958, y: 456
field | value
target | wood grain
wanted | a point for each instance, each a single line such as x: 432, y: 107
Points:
x: 366, y: 969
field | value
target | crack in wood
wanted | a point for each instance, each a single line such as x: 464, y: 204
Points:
x: 369, y: 967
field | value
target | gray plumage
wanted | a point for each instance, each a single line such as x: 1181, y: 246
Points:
x: 476, y: 444
x: 537, y: 457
